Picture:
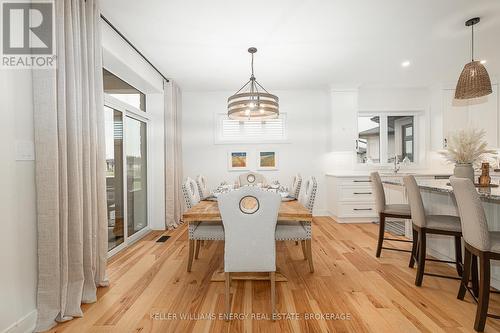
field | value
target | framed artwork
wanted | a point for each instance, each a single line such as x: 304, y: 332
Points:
x: 267, y: 160
x: 238, y: 160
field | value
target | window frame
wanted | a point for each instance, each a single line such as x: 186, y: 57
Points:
x: 218, y: 140
x: 418, y: 133
x: 405, y: 139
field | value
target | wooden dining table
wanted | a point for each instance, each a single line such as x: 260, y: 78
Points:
x: 209, y: 211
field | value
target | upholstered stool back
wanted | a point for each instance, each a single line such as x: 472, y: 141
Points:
x: 474, y: 223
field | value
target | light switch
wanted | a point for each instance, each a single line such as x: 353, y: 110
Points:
x: 25, y: 151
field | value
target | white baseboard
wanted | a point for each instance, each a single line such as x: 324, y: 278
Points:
x: 321, y: 212
x: 349, y: 219
x: 23, y: 325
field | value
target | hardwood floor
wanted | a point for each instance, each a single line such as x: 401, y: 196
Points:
x: 150, y: 290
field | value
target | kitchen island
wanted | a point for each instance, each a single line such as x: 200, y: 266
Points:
x: 438, y: 198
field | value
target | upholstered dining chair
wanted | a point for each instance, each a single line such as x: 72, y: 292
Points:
x: 399, y: 211
x: 479, y: 241
x: 201, y: 181
x: 251, y: 178
x: 301, y: 231
x: 296, y: 184
x: 198, y: 231
x: 423, y: 225
x: 249, y: 216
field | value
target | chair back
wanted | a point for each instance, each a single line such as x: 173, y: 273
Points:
x: 378, y: 191
x: 472, y: 217
x: 201, y: 181
x: 249, y: 216
x: 308, y: 196
x: 416, y: 203
x: 296, y: 184
x: 251, y: 178
x: 190, y: 192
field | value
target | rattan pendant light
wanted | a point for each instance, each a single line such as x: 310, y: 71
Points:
x: 252, y: 101
x: 474, y: 80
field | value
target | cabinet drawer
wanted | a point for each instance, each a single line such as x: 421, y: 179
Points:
x: 358, y: 209
x: 356, y: 181
x: 358, y: 194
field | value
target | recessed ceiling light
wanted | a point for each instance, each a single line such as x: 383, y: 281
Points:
x: 483, y: 61
x: 405, y: 63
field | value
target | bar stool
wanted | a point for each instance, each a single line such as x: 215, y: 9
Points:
x: 400, y: 211
x: 480, y: 242
x: 423, y: 225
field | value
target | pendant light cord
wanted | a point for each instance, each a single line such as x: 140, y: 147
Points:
x: 472, y: 43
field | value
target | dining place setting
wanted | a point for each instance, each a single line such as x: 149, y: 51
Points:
x: 249, y: 215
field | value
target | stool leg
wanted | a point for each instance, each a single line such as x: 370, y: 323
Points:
x: 380, y: 234
x: 475, y: 278
x: 421, y: 257
x: 458, y: 254
x: 413, y: 249
x: 465, y: 275
x: 484, y: 293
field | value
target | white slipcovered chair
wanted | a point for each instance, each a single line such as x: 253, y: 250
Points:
x: 296, y: 184
x: 301, y: 231
x: 251, y: 178
x: 198, y: 231
x: 249, y: 216
x: 201, y: 181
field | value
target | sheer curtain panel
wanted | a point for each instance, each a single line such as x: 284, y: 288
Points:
x: 70, y: 167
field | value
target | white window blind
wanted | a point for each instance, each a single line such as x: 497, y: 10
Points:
x: 235, y: 131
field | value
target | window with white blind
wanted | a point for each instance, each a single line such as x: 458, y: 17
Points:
x: 235, y: 131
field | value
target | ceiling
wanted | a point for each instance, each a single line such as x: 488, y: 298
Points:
x: 306, y: 44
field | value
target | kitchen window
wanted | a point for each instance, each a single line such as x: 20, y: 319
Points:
x: 382, y: 138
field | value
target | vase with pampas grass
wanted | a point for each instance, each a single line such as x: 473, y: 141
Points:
x: 465, y: 148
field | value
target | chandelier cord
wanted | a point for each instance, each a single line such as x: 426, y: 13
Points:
x: 252, y: 65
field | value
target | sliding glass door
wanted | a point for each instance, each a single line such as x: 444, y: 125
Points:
x: 114, y: 176
x: 137, y: 195
x: 126, y: 173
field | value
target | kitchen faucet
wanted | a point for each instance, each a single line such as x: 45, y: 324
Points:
x: 396, y: 163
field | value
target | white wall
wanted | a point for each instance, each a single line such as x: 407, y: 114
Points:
x: 307, y: 133
x: 18, y: 256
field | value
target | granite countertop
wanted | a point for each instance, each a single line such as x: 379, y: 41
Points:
x: 388, y: 173
x: 441, y: 185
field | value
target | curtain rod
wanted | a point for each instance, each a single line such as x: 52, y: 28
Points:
x: 133, y: 46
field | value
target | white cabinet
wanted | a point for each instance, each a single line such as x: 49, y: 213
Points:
x: 479, y: 113
x: 350, y: 199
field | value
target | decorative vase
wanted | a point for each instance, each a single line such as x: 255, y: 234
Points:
x: 485, y: 179
x: 464, y: 170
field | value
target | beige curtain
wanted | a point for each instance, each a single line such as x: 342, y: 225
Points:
x: 173, y: 155
x: 70, y: 167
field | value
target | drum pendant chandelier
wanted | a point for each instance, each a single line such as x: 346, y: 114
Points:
x: 252, y: 101
x: 474, y: 80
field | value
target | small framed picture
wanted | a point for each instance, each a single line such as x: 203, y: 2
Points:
x: 238, y: 160
x: 267, y: 160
